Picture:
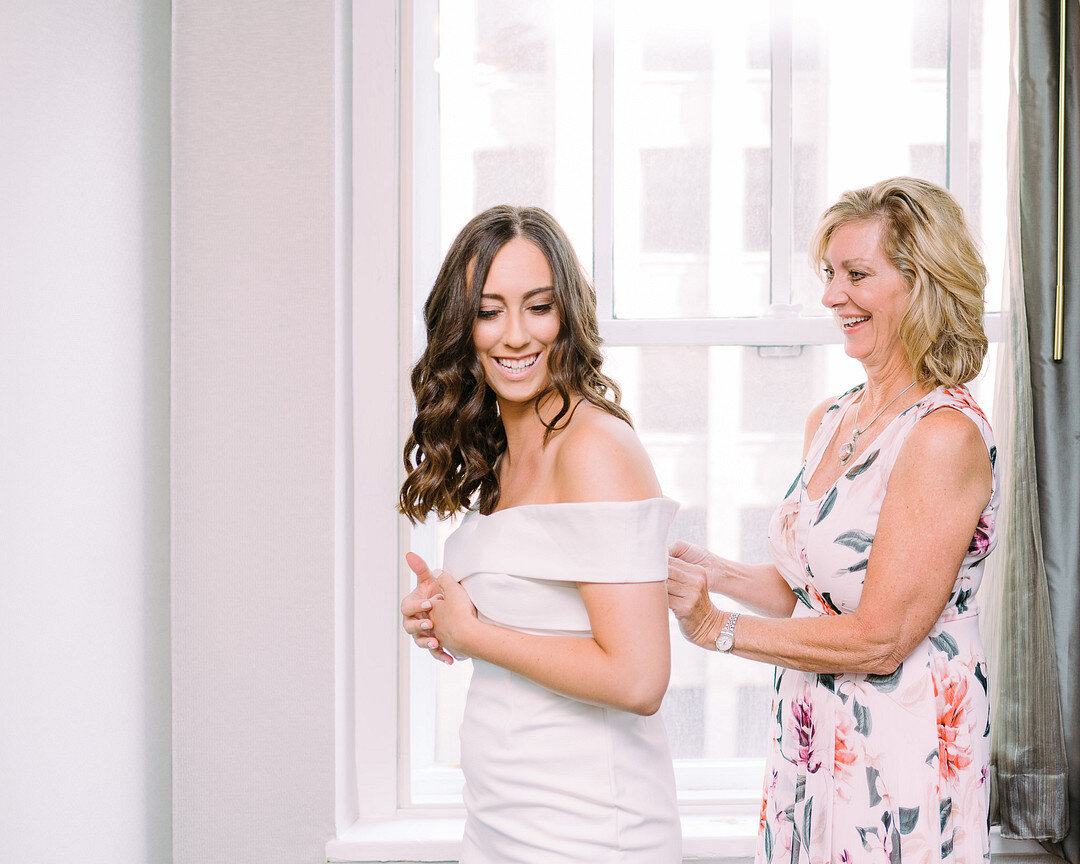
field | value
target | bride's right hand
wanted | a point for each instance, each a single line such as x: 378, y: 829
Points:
x: 417, y: 604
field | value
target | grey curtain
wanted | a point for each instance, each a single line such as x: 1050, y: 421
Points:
x: 1055, y: 386
x: 1028, y: 767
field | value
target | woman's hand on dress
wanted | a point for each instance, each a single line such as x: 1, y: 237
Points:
x: 453, y: 616
x: 416, y: 605
x: 691, y: 553
x: 688, y: 592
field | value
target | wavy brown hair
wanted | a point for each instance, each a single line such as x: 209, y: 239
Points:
x: 452, y: 456
x: 926, y: 238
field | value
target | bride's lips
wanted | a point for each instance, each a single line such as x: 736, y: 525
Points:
x: 516, y: 368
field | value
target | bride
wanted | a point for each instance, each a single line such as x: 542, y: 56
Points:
x: 554, y: 581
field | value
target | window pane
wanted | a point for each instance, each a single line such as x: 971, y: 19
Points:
x: 872, y: 106
x: 987, y: 122
x: 691, y: 160
x: 515, y: 112
x: 724, y: 428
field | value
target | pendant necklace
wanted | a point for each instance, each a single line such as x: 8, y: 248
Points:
x: 848, y: 448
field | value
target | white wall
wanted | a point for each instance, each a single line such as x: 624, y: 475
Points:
x: 84, y: 413
x: 253, y: 429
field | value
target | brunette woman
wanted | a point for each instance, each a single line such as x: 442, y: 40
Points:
x: 554, y: 581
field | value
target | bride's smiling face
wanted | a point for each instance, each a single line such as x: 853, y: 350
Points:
x: 518, y: 322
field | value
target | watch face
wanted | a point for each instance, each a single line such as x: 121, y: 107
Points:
x: 724, y: 642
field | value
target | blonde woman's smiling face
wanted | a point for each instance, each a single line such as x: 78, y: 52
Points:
x: 867, y: 295
x: 518, y: 323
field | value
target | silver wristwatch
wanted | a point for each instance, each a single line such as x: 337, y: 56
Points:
x: 726, y: 639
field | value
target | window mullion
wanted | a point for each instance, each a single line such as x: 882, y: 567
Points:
x: 422, y: 198
x: 958, y: 136
x: 780, y: 172
x: 423, y: 134
x: 604, y: 157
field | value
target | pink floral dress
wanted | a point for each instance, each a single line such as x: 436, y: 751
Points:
x: 877, y: 768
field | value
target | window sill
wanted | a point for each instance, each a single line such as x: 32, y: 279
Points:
x: 437, y: 837
x: 707, y: 839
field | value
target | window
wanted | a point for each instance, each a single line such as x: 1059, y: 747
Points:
x: 688, y: 148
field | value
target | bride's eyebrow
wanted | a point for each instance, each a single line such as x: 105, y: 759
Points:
x: 528, y: 294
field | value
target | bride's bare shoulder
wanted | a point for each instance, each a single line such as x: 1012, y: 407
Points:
x: 599, y: 457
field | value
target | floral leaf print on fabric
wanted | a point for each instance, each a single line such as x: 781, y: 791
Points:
x: 808, y: 816
x: 944, y: 812
x: 794, y: 483
x: 893, y: 845
x: 886, y: 683
x: 862, y: 466
x: 858, y: 566
x: 863, y: 724
x: 801, y: 594
x: 826, y: 505
x: 857, y: 540
x: 980, y: 673
x: 909, y: 818
x: 946, y: 644
x: 830, y: 607
x: 872, y: 775
x: 864, y: 835
x: 823, y: 605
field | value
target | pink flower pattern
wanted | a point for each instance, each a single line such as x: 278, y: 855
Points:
x: 862, y: 767
x: 802, y: 732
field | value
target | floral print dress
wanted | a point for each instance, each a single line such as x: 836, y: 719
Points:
x: 877, y: 768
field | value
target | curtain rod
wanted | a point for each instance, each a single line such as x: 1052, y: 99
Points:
x: 1059, y: 300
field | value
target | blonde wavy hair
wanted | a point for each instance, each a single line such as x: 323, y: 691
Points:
x: 926, y: 238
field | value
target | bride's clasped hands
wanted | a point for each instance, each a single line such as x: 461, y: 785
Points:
x: 427, y: 603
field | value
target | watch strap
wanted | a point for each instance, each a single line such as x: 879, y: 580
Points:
x: 726, y: 640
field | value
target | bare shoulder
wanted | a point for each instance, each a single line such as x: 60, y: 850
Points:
x: 601, y: 458
x: 948, y: 445
x: 813, y: 421
x: 947, y: 433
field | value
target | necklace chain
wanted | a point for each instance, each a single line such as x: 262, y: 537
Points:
x: 847, y: 450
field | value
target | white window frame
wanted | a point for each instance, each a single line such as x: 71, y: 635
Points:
x: 377, y: 198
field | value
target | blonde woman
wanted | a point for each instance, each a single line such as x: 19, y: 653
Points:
x: 880, y: 723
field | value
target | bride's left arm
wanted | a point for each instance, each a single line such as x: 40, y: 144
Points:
x: 626, y: 662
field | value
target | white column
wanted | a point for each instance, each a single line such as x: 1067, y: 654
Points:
x: 253, y: 429
x: 84, y: 415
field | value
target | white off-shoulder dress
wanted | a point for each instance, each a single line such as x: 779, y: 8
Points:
x: 550, y: 779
